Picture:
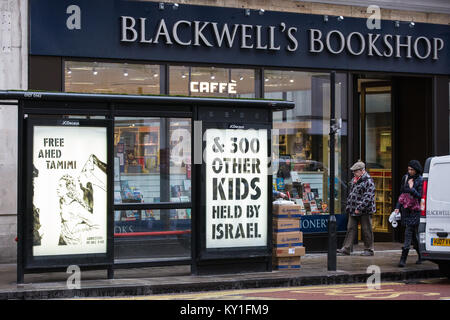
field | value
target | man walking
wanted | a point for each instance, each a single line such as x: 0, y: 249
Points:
x: 360, y: 207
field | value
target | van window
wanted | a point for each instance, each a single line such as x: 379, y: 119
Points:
x: 439, y: 181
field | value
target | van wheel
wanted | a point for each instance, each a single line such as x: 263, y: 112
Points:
x: 444, y: 268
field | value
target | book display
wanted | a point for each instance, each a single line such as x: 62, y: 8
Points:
x: 138, y: 149
x: 299, y: 170
x: 383, y: 198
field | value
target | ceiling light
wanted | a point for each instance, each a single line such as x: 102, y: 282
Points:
x: 340, y: 18
x: 94, y: 72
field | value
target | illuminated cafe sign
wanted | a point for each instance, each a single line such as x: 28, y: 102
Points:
x: 247, y: 36
x: 213, y: 87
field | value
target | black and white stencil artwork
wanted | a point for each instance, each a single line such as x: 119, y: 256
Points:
x: 70, y: 188
x: 236, y: 188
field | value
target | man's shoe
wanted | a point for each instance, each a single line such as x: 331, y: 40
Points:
x: 343, y: 252
x: 367, y: 253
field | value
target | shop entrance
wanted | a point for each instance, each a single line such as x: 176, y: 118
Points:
x: 375, y: 96
x: 393, y: 128
x: 413, y: 135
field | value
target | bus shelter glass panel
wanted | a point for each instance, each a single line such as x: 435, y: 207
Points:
x: 140, y: 234
x: 180, y: 159
x: 137, y: 160
x: 152, y: 164
x: 141, y: 148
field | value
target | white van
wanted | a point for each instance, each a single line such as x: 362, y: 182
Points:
x: 434, y: 228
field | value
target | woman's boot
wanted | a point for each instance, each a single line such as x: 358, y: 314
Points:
x: 419, y: 257
x: 402, y: 262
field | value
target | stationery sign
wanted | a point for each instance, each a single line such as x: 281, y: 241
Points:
x: 236, y: 188
x: 69, y: 190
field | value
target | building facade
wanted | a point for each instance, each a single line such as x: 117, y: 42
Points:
x: 388, y: 79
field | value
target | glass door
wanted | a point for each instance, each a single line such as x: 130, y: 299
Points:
x: 376, y: 145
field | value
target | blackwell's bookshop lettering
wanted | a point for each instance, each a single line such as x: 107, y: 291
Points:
x: 236, y: 188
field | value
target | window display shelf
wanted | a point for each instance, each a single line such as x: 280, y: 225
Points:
x: 383, y: 199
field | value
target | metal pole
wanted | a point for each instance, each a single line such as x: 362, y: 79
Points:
x: 332, y: 245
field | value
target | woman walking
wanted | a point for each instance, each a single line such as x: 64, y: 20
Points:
x: 408, y: 203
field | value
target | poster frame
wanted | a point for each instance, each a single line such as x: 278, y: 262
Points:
x: 236, y: 253
x: 55, y: 262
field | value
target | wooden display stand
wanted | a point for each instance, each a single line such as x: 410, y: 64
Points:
x: 383, y: 198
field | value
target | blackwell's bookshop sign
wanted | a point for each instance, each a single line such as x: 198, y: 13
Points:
x: 148, y: 30
x: 236, y: 188
x: 69, y: 190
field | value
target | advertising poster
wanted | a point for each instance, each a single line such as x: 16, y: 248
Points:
x: 69, y: 190
x: 236, y: 188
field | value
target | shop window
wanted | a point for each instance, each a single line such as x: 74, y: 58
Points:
x: 212, y: 82
x: 106, y: 77
x: 300, y: 139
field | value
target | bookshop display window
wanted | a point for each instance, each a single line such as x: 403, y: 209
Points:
x: 301, y: 138
x: 108, y: 77
x: 212, y: 82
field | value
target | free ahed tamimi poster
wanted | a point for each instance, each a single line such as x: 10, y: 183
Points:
x: 69, y: 190
x: 236, y: 188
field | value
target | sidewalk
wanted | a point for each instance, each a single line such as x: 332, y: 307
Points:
x: 159, y: 280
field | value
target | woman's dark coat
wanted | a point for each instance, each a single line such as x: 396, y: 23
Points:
x: 410, y: 217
